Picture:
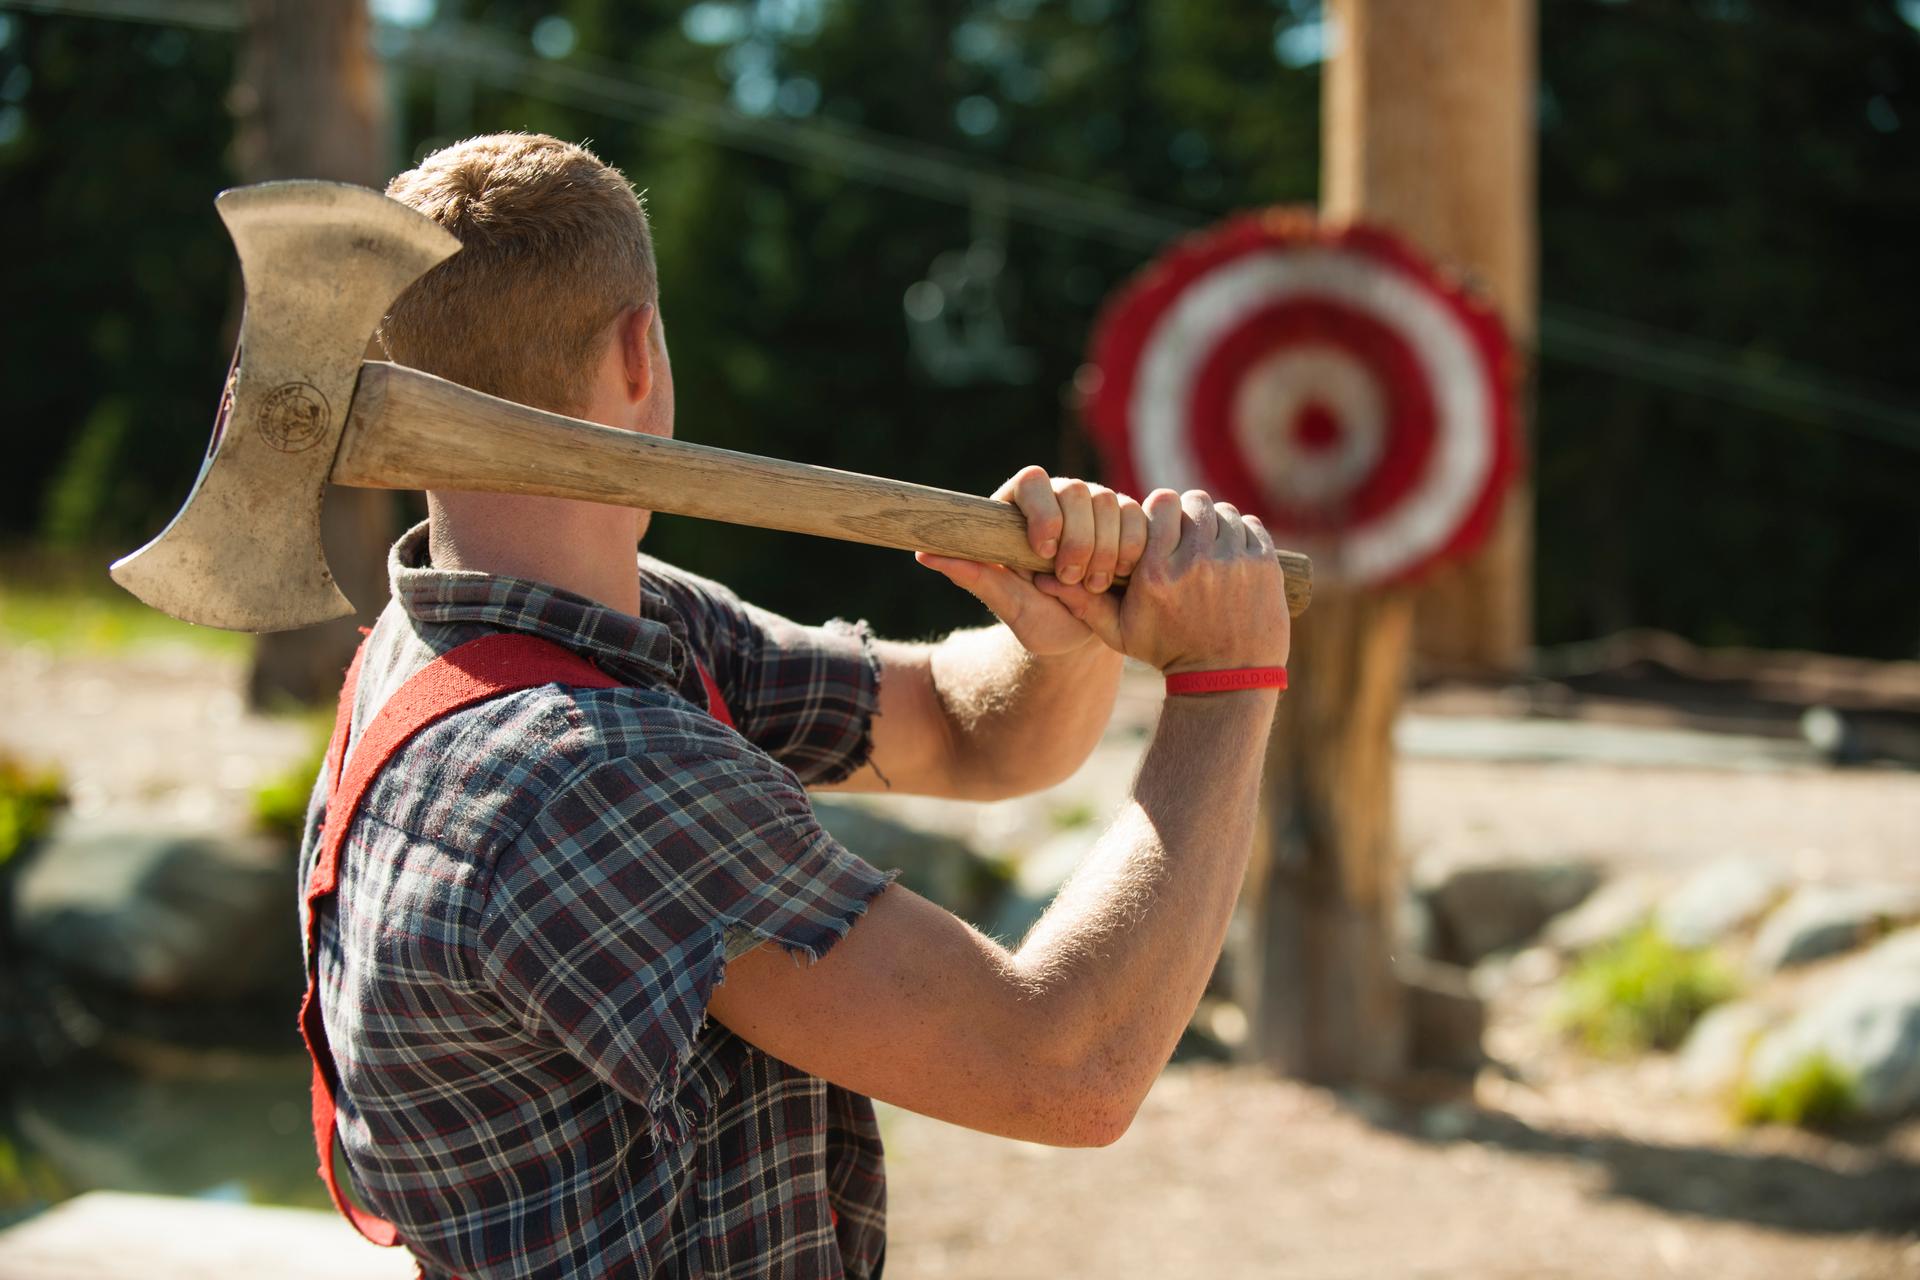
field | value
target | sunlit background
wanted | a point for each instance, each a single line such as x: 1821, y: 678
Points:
x: 885, y: 230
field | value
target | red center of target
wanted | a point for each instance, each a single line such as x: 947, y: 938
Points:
x: 1308, y: 321
x: 1315, y: 428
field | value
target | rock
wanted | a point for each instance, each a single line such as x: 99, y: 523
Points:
x: 1866, y: 1023
x: 1038, y: 879
x: 178, y: 917
x: 938, y: 867
x: 1612, y: 911
x: 200, y: 1123
x: 1719, y: 898
x: 1823, y: 920
x: 1714, y: 1058
x: 1447, y: 1122
x: 1483, y: 909
x: 1446, y: 1018
x: 1413, y: 925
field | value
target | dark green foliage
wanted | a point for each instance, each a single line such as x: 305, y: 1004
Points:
x: 1725, y: 170
x: 118, y: 279
x: 1743, y: 171
x: 29, y: 799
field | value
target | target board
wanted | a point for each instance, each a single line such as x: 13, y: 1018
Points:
x: 1328, y: 380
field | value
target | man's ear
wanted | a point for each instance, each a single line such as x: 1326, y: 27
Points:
x: 633, y: 333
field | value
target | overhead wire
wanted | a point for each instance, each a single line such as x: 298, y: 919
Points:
x: 1789, y: 390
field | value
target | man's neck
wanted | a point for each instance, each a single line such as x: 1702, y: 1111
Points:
x: 580, y: 547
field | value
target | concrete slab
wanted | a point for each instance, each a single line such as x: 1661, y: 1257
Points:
x: 107, y: 1235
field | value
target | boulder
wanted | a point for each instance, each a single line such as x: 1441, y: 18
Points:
x: 1479, y: 910
x: 1446, y: 1019
x: 1713, y: 1060
x: 1038, y: 879
x: 177, y: 917
x: 1719, y: 898
x: 1824, y: 920
x: 938, y: 867
x: 1866, y: 1023
x: 1612, y: 911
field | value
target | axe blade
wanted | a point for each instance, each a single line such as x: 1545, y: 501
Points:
x: 321, y: 263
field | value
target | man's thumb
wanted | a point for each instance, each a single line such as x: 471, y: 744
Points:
x: 962, y: 573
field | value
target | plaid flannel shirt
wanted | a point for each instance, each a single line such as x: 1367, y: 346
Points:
x: 536, y: 901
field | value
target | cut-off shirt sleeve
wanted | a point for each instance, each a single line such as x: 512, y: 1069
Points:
x: 610, y: 921
x: 805, y: 695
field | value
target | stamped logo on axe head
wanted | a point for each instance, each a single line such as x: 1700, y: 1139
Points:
x: 295, y: 417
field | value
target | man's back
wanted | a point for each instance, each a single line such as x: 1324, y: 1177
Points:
x: 535, y: 902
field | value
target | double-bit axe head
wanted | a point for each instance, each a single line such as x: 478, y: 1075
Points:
x: 321, y: 262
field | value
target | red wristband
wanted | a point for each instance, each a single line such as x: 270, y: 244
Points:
x: 1228, y: 680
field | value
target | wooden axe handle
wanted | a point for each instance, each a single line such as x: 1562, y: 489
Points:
x: 411, y: 430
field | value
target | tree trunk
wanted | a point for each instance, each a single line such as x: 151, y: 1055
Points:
x: 1429, y: 130
x: 309, y: 103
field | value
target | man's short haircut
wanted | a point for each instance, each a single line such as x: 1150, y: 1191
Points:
x: 554, y: 246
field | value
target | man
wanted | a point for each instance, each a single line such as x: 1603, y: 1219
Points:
x: 602, y: 997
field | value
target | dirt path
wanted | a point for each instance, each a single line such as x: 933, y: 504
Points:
x: 1227, y: 1174
x: 1584, y: 1171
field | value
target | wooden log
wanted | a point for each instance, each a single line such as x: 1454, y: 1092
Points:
x: 1426, y: 122
x: 1328, y: 1005
x: 106, y: 1235
x: 1429, y: 128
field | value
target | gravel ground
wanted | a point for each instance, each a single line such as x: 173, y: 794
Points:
x: 1583, y: 1170
x: 1226, y: 1173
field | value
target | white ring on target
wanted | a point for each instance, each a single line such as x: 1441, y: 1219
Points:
x: 1271, y: 399
x: 1219, y: 301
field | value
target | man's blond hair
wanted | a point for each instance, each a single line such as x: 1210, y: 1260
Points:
x: 554, y: 246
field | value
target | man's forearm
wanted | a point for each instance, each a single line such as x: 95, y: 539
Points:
x: 1019, y: 722
x: 1123, y: 954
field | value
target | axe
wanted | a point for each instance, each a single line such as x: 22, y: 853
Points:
x: 322, y: 262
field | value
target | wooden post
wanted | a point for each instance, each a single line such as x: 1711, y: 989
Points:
x: 1327, y: 1003
x: 1426, y: 126
x: 310, y: 103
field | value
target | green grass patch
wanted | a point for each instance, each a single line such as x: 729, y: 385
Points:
x: 1073, y: 816
x: 1816, y: 1094
x: 1641, y: 992
x: 29, y: 799
x: 67, y: 603
x: 280, y: 803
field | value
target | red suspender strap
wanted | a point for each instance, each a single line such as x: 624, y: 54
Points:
x: 716, y: 705
x: 475, y: 672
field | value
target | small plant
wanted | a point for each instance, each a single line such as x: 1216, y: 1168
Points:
x: 1641, y: 992
x: 280, y: 803
x: 1816, y: 1094
x: 28, y: 800
x: 1072, y: 816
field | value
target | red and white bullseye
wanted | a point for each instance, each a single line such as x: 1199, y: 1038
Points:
x: 1327, y: 381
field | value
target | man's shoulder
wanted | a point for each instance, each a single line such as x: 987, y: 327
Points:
x: 480, y: 778
x: 560, y: 730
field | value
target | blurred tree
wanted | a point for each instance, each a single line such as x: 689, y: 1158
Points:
x: 1744, y: 170
x: 309, y: 103
x: 113, y: 140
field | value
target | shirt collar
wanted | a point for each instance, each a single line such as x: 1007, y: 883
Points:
x: 648, y: 650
